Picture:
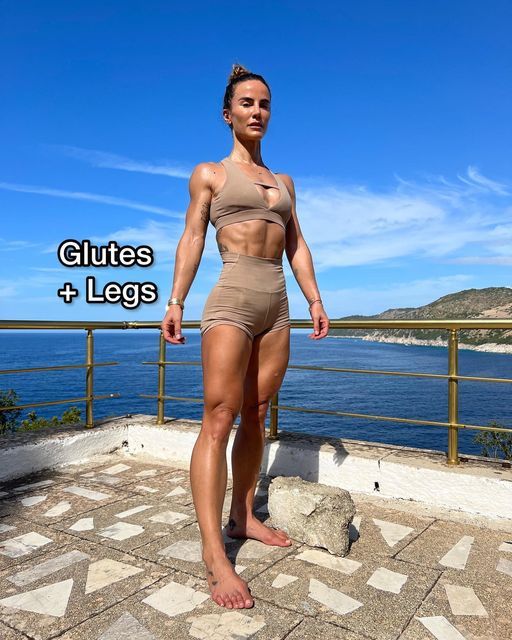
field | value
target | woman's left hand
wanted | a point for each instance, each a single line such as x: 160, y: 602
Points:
x: 320, y: 321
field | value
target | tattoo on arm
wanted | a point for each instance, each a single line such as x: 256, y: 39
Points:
x: 205, y: 212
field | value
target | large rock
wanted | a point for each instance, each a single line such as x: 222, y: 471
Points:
x: 316, y: 514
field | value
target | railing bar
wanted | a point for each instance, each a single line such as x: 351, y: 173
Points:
x: 44, y: 404
x: 144, y: 395
x: 173, y: 362
x: 354, y: 415
x: 443, y: 376
x: 298, y: 323
x: 63, y: 366
x: 392, y: 419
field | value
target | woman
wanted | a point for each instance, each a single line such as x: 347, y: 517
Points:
x: 245, y: 325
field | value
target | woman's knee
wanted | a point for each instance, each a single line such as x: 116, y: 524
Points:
x: 218, y: 421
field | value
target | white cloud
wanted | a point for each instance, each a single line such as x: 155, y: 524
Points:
x: 434, y: 219
x: 16, y: 245
x: 90, y: 197
x: 108, y: 160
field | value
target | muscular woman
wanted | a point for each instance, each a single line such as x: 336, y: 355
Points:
x: 245, y: 324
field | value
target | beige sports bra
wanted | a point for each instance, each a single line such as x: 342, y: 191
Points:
x: 240, y: 200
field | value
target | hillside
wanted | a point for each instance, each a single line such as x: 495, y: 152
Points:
x: 491, y: 302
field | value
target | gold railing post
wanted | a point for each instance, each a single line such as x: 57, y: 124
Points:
x: 161, y: 381
x: 89, y: 379
x: 453, y: 397
x: 274, y: 401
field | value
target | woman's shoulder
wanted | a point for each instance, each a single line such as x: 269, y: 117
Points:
x: 288, y: 181
x: 206, y: 175
x: 205, y: 170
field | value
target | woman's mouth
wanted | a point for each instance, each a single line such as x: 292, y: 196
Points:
x: 255, y: 125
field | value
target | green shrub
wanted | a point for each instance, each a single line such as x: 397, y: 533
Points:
x: 495, y: 444
x: 9, y: 418
x: 70, y: 416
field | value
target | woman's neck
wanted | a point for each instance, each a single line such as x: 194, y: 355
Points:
x: 247, y: 154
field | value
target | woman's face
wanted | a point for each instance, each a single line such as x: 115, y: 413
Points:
x: 250, y: 109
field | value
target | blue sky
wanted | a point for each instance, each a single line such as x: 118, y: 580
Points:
x: 393, y: 119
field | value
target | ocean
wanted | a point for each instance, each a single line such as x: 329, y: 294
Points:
x: 408, y: 397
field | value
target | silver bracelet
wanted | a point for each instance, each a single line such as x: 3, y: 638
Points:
x: 179, y: 301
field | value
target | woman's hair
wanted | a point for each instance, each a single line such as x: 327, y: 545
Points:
x: 239, y: 74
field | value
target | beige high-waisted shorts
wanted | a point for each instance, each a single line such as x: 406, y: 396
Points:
x: 250, y: 293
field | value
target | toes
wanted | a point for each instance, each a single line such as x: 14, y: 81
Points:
x: 283, y: 534
x: 239, y: 600
x: 229, y: 604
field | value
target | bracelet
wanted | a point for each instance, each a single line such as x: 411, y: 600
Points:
x: 317, y: 300
x: 179, y: 301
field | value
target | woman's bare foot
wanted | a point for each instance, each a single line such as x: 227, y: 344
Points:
x: 251, y: 527
x: 227, y: 588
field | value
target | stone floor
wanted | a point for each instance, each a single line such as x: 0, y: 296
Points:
x: 110, y: 550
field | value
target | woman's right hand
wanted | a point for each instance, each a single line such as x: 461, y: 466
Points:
x: 171, y: 325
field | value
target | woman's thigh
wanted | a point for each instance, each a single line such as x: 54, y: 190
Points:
x: 225, y: 354
x: 266, y: 369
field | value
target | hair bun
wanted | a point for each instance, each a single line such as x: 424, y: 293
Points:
x: 237, y: 71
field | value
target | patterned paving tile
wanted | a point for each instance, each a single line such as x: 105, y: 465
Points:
x: 31, y: 483
x: 311, y: 629
x: 462, y: 549
x: 460, y: 606
x: 59, y: 501
x: 379, y: 531
x: 120, y: 471
x: 21, y: 540
x: 178, y: 607
x: 43, y: 598
x: 182, y: 550
x: 129, y: 523
x: 174, y: 486
x: 375, y: 598
x: 406, y: 576
x: 6, y: 633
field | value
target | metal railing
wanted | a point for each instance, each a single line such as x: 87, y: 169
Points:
x: 452, y: 377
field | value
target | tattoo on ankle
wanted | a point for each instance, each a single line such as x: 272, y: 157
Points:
x: 231, y: 524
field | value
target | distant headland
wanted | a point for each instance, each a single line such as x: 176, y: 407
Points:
x: 490, y: 302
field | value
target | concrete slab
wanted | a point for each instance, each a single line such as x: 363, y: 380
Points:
x: 475, y: 610
x: 179, y: 606
x: 381, y: 531
x: 75, y: 585
x: 6, y: 633
x: 312, y: 629
x: 392, y: 583
x: 60, y: 500
x: 25, y: 540
x: 458, y: 549
x: 112, y: 527
x: 182, y: 550
x: 376, y: 598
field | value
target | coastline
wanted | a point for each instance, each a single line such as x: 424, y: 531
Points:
x: 488, y: 347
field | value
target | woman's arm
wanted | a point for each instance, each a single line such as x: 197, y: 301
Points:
x: 190, y: 247
x: 301, y: 262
